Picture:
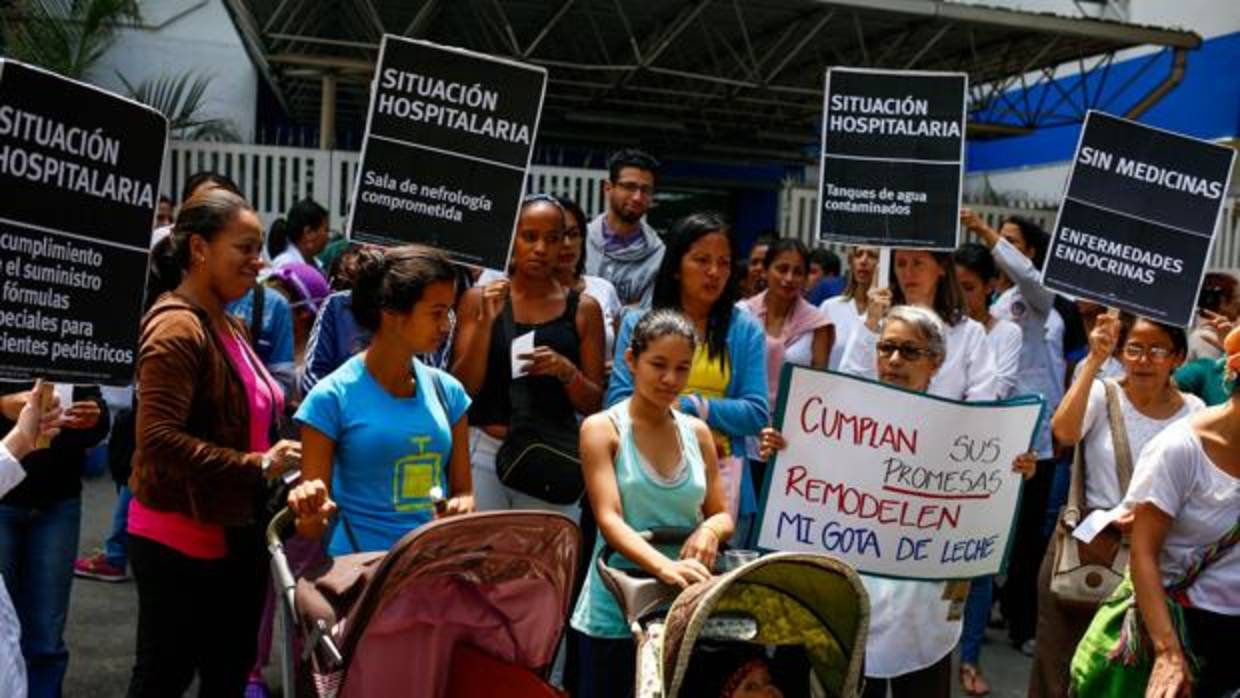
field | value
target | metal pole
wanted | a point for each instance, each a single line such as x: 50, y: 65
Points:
x: 327, y: 112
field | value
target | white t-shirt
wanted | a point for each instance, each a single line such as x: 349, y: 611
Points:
x: 290, y: 255
x: 909, y: 629
x: 1101, y: 481
x: 11, y: 471
x: 1175, y: 474
x: 801, y: 351
x: 1005, y: 339
x: 842, y: 311
x: 12, y: 666
x: 604, y: 292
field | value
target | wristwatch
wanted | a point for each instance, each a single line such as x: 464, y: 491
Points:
x: 268, y: 461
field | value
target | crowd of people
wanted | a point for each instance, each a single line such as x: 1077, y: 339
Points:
x: 406, y: 388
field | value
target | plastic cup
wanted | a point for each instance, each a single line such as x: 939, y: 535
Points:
x: 732, y: 559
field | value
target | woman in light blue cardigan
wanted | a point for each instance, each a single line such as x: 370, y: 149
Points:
x: 727, y: 386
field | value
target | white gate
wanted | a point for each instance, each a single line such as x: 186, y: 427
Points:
x: 798, y: 208
x: 273, y: 178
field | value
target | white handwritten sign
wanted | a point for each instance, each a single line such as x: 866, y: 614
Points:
x: 894, y: 483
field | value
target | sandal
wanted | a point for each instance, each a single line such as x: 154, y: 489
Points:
x: 971, y: 681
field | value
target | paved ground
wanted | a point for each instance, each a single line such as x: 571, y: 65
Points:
x: 102, y: 617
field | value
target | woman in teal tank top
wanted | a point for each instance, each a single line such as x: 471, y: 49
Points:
x: 646, y: 466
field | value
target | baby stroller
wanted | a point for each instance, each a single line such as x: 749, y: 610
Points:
x: 788, y: 600
x: 458, y: 607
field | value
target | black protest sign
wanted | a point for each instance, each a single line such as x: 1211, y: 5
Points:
x: 1137, y: 220
x: 79, y: 172
x: 448, y: 143
x: 892, y: 158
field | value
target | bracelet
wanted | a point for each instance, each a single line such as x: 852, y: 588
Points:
x: 707, y: 527
x: 575, y: 377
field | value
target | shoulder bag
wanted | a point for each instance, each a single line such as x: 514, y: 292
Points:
x: 541, y: 456
x: 1114, y: 658
x: 1085, y: 574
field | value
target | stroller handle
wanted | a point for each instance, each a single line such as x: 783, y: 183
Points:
x: 640, y: 597
x: 282, y: 520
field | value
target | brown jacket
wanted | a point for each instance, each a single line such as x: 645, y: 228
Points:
x: 193, y: 415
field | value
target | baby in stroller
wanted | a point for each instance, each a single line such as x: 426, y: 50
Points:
x: 735, y: 670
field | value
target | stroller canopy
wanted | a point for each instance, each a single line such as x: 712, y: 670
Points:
x: 499, y: 580
x: 813, y: 601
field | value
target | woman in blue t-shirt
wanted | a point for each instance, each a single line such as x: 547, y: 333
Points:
x: 384, y: 429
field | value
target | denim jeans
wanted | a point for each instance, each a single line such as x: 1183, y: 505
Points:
x: 976, y: 615
x: 116, y: 547
x: 37, y: 548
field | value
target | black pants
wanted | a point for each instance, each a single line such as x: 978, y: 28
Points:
x: 1213, y: 639
x: 1018, y: 599
x: 196, y: 617
x: 607, y: 668
x: 935, y: 681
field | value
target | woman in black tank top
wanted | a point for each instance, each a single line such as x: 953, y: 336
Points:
x: 564, y: 373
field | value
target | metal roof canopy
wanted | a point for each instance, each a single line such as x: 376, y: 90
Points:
x: 722, y: 79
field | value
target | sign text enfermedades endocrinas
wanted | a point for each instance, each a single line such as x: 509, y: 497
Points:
x: 79, y: 183
x: 448, y: 143
x: 894, y: 483
x: 892, y: 158
x: 1136, y: 224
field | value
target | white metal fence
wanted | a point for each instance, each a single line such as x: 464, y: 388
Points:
x: 798, y: 208
x: 273, y: 178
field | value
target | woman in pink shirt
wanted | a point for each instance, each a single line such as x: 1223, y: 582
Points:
x: 206, y: 413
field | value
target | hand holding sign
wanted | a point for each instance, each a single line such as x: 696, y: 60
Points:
x: 1103, y: 338
x: 494, y: 295
x: 37, y: 420
x: 876, y: 309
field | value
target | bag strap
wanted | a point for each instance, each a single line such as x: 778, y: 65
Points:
x: 1209, y: 557
x: 1075, y: 506
x: 1119, y: 435
x: 509, y: 321
x: 256, y: 315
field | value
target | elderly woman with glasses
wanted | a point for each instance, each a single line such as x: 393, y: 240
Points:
x: 911, y: 633
x: 1148, y: 402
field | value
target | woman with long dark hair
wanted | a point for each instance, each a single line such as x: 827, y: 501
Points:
x: 207, y: 413
x: 727, y: 385
x: 383, y: 430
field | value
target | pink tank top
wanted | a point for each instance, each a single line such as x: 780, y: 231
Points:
x: 183, y: 533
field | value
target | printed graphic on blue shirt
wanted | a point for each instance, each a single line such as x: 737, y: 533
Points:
x: 389, y: 452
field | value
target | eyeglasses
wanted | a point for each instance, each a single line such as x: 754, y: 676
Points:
x: 634, y: 187
x: 1136, y: 351
x: 910, y: 352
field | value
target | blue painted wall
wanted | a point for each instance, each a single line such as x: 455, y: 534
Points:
x: 1206, y: 104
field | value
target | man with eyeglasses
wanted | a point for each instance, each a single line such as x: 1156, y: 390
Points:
x: 620, y: 246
